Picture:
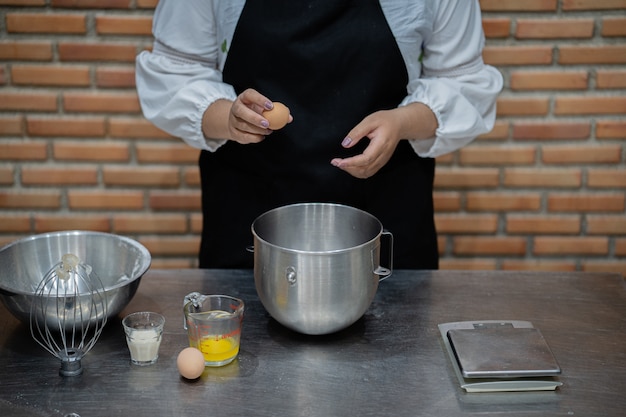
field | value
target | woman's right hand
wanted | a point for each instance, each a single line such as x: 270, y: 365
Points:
x: 240, y: 120
x: 246, y: 123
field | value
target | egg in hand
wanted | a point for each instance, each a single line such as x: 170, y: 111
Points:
x: 278, y: 117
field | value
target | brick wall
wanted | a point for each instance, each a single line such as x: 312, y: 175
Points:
x: 546, y: 190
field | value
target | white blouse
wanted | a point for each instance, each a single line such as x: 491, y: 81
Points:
x: 182, y: 76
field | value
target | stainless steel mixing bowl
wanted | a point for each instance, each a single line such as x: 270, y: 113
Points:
x: 119, y: 262
x: 316, y: 265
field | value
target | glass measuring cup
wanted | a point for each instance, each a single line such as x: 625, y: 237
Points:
x: 213, y: 324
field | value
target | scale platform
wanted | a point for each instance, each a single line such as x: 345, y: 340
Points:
x: 500, y: 355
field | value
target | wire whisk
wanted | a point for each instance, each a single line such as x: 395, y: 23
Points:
x: 69, y: 312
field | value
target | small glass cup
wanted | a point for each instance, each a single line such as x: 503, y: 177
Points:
x: 213, y: 324
x: 144, y: 331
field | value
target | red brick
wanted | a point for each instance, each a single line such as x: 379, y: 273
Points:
x: 169, y: 153
x: 538, y: 265
x: 124, y: 127
x: 65, y: 126
x: 105, y: 200
x: 497, y: 155
x: 518, y: 6
x: 3, y: 77
x: 549, y: 80
x: 52, y: 75
x: 445, y: 159
x: 585, y: 203
x: 484, y: 201
x: 92, y: 4
x: 611, y: 129
x: 196, y: 222
x: 571, y: 245
x: 542, y: 177
x: 517, y: 55
x: 606, y: 178
x: 496, y: 27
x: 487, y: 245
x: 45, y: 223
x: 466, y: 224
x: 19, y: 101
x: 540, y: 225
x: 446, y: 201
x: 524, y: 106
x: 45, y: 23
x: 172, y: 246
x: 613, y: 26
x: 551, y: 130
x: 554, y: 29
x: 579, y: 154
x: 173, y: 263
x: 466, y: 178
x: 30, y: 199
x: 6, y: 239
x: 101, y: 102
x: 191, y: 176
x: 596, y: 54
x: 147, y: 4
x: 610, y: 78
x: 11, y: 125
x: 25, y: 51
x: 115, y: 77
x: 569, y: 5
x: 620, y: 247
x: 589, y: 105
x: 175, y: 200
x: 59, y: 175
x: 7, y: 176
x: 22, y: 2
x: 606, y: 225
x: 605, y: 266
x: 500, y: 131
x: 23, y: 151
x: 124, y: 25
x: 15, y: 223
x: 114, y: 52
x: 149, y: 223
x: 467, y: 264
x: 89, y: 151
x: 141, y: 176
x: 442, y: 244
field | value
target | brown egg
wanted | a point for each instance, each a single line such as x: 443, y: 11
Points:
x: 190, y: 363
x: 278, y: 116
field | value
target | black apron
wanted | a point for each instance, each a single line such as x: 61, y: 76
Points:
x: 332, y: 62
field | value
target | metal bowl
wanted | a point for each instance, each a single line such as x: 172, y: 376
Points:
x: 316, y: 265
x: 118, y: 261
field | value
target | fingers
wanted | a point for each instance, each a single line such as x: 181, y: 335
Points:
x: 246, y: 121
x: 246, y: 124
x: 361, y: 166
x: 249, y: 106
x: 383, y: 137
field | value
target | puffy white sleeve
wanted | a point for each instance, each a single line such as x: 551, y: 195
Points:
x: 455, y: 82
x: 180, y: 77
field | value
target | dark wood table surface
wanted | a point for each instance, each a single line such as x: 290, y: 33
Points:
x: 389, y: 363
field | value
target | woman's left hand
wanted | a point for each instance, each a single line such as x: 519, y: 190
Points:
x: 385, y: 129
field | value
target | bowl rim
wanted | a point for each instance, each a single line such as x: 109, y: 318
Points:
x: 132, y: 242
x: 299, y: 206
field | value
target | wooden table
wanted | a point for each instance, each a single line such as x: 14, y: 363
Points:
x: 391, y: 362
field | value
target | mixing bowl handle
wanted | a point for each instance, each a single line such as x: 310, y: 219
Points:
x: 381, y: 271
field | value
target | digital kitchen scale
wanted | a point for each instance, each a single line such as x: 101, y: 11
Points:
x: 497, y: 355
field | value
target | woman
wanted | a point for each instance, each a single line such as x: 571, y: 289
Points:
x: 376, y: 90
